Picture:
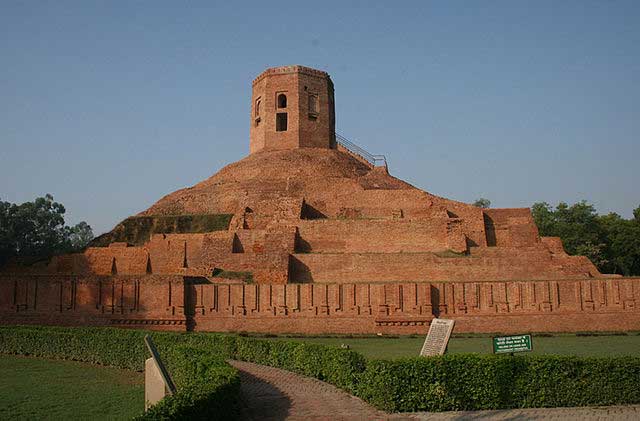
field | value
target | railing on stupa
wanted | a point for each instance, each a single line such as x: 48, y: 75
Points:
x: 358, y: 152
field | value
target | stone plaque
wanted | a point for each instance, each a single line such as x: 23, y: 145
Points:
x: 437, y: 338
x: 157, y: 382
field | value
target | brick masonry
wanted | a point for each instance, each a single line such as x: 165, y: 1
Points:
x: 173, y: 302
x: 334, y: 245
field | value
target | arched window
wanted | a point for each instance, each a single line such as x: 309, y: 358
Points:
x: 257, y: 107
x: 282, y: 101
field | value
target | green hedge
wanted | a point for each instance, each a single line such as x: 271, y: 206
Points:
x: 471, y: 382
x: 341, y: 367
x: 207, y: 387
x: 451, y: 382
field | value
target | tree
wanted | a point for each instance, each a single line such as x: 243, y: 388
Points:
x: 623, y: 244
x: 80, y: 235
x: 610, y: 241
x: 577, y: 224
x: 5, y: 234
x: 37, y: 229
x: 544, y: 218
x: 482, y: 203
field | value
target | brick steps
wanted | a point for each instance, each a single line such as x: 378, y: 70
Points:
x: 508, y: 252
x: 383, y: 267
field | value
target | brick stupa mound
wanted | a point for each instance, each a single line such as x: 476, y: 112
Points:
x: 323, y: 215
x: 308, y: 206
x: 270, y: 180
x: 310, y: 233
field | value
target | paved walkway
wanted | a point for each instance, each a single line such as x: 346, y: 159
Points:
x: 273, y: 394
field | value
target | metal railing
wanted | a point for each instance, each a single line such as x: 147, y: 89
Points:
x: 374, y: 160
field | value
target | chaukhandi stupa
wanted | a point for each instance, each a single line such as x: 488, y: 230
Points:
x: 311, y: 234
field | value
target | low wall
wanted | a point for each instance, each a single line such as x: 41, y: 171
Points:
x: 181, y: 303
x: 151, y: 302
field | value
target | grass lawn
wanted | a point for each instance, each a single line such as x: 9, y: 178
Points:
x: 562, y: 344
x: 33, y: 388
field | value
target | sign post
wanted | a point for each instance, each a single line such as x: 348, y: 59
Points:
x: 438, y: 337
x: 511, y: 344
x: 157, y: 382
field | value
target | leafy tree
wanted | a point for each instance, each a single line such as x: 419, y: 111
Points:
x: 610, y: 241
x: 5, y: 234
x: 37, y: 229
x: 80, y: 235
x: 623, y: 244
x: 577, y: 225
x: 482, y: 203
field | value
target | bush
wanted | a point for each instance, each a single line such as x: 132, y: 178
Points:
x: 471, y: 382
x: 337, y: 366
x: 551, y: 381
x: 207, y: 387
x: 331, y: 364
x: 447, y: 383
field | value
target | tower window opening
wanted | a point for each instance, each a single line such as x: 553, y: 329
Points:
x: 281, y: 122
x: 256, y: 110
x: 313, y: 104
x: 282, y: 101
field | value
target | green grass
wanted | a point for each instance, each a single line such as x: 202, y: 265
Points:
x: 407, y: 346
x: 33, y: 388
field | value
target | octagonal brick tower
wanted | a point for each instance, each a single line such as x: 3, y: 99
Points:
x: 292, y: 107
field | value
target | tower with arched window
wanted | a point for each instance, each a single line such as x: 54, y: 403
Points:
x: 292, y: 107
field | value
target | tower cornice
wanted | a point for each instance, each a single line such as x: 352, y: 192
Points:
x: 282, y: 70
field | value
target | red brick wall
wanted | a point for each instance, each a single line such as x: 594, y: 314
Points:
x: 381, y: 236
x: 553, y: 306
x: 303, y: 130
x: 405, y: 307
x: 510, y: 227
x: 152, y: 302
x: 483, y: 266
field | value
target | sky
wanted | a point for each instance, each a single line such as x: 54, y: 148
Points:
x: 110, y: 105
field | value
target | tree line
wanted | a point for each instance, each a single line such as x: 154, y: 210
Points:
x: 610, y: 241
x: 37, y: 230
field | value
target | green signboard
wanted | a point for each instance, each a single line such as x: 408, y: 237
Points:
x: 515, y: 343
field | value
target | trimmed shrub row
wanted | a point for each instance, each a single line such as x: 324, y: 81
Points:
x: 471, y: 382
x: 451, y: 382
x: 207, y: 387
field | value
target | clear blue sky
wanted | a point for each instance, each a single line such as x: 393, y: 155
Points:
x: 109, y: 105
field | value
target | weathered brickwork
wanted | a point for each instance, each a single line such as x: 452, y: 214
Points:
x: 164, y: 302
x: 303, y: 99
x: 319, y: 240
x: 154, y: 302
